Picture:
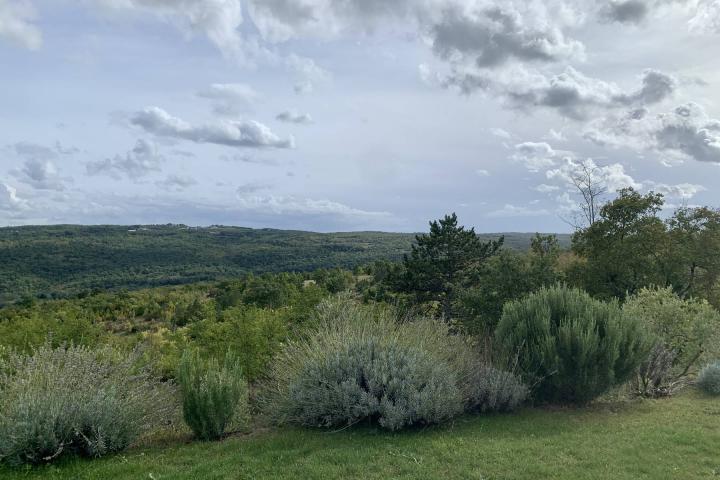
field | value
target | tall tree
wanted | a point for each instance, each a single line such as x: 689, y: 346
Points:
x: 693, y: 255
x: 444, y: 261
x: 624, y: 246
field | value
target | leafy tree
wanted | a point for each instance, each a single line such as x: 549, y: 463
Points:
x: 624, y: 247
x: 694, y: 265
x: 444, y: 261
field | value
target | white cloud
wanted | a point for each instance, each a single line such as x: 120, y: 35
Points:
x: 683, y: 191
x: 481, y: 172
x: 613, y: 176
x: 218, y: 20
x: 9, y: 200
x: 544, y: 188
x: 16, y: 17
x: 290, y: 205
x: 500, y: 133
x: 510, y: 210
x: 248, y: 133
x: 142, y: 160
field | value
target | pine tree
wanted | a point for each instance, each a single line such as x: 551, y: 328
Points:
x: 444, y: 261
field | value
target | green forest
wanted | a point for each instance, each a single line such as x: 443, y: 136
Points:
x: 67, y: 260
x: 148, y: 338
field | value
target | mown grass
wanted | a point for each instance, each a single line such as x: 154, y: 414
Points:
x: 677, y: 438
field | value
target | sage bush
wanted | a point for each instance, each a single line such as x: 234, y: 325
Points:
x: 65, y: 400
x: 359, y: 363
x: 213, y: 395
x: 572, y: 347
x: 709, y: 378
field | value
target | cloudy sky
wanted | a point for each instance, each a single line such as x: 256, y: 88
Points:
x: 352, y: 114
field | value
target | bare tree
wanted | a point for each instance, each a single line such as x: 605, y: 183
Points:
x: 589, y: 182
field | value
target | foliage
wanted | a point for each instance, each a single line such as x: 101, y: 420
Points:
x: 212, y: 395
x: 622, y: 246
x: 56, y: 401
x: 630, y: 247
x: 709, y: 378
x: 254, y: 334
x: 688, y: 328
x: 360, y: 364
x: 507, y: 276
x: 573, y: 346
x: 444, y: 261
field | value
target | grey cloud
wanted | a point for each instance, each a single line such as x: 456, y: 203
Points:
x: 535, y: 156
x: 34, y: 150
x: 292, y: 116
x: 570, y: 93
x: 250, y: 188
x: 625, y: 11
x: 176, y: 182
x: 686, y: 132
x: 16, y: 25
x: 496, y: 35
x: 230, y: 99
x: 40, y: 174
x: 142, y: 160
x: 249, y: 133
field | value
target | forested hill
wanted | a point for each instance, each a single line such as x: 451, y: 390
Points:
x: 65, y: 260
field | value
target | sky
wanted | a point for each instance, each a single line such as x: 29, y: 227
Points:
x: 339, y: 115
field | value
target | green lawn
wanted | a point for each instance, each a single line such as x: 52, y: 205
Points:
x: 676, y: 438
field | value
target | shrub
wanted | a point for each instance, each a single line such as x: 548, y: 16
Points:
x: 689, y: 328
x: 709, y: 378
x: 654, y: 377
x: 56, y: 401
x: 359, y: 364
x: 574, y: 348
x: 495, y: 390
x: 212, y: 396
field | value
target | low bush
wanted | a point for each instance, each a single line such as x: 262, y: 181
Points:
x: 655, y: 377
x: 359, y: 363
x: 212, y: 395
x: 709, y: 379
x: 495, y: 390
x: 56, y: 401
x: 572, y: 347
x: 688, y: 329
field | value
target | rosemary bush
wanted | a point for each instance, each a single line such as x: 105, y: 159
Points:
x: 572, y: 346
x: 213, y: 395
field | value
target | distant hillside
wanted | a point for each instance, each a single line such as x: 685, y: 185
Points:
x: 64, y: 260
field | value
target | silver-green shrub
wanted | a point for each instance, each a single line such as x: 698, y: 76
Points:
x: 709, y: 378
x: 213, y: 395
x: 360, y: 363
x: 56, y: 401
x: 495, y: 390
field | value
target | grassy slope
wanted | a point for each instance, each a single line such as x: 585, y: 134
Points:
x: 674, y: 438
